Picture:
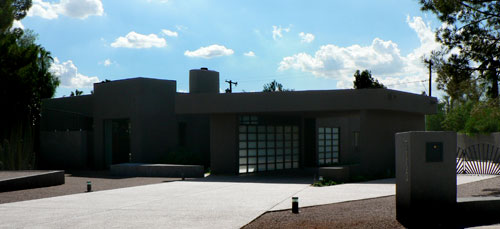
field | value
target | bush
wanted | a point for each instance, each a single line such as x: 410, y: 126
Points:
x: 324, y: 182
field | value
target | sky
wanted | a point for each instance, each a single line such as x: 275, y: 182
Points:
x: 304, y: 45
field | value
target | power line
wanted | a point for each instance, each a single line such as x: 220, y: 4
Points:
x: 290, y: 76
x: 275, y: 77
x: 417, y: 81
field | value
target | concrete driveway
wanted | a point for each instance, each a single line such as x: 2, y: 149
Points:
x: 217, y: 202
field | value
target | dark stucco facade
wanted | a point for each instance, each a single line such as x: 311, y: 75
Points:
x: 366, y: 121
x: 143, y: 111
x: 147, y: 121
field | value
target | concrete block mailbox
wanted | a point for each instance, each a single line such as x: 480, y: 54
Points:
x: 425, y: 177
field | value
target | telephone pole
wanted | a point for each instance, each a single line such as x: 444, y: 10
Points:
x: 429, y: 62
x: 230, y: 89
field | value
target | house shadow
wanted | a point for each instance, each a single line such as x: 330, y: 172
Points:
x: 294, y: 176
x: 103, y: 174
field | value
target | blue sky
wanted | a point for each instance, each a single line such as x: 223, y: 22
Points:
x: 305, y: 45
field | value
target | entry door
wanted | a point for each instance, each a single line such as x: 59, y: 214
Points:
x: 117, y: 141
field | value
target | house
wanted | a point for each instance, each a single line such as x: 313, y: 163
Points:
x: 146, y: 120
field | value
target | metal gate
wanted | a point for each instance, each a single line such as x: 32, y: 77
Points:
x: 478, y: 159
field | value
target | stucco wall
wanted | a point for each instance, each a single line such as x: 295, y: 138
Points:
x: 464, y: 141
x: 67, y: 113
x: 348, y: 122
x: 64, y: 149
x: 377, y: 137
x: 149, y: 105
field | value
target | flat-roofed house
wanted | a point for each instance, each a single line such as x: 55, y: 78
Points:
x: 146, y: 120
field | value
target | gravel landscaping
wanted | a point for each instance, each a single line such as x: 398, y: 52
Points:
x: 76, y: 182
x: 371, y: 213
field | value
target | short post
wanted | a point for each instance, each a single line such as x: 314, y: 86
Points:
x: 295, y: 205
x: 89, y: 186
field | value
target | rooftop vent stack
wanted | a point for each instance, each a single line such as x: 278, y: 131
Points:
x: 203, y: 81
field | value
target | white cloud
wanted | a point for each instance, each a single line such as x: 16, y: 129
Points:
x: 210, y: 52
x: 107, y: 62
x: 43, y: 9
x: 278, y: 31
x: 331, y: 60
x: 80, y: 9
x: 137, y: 40
x: 181, y: 27
x: 68, y: 73
x: 169, y: 33
x: 17, y: 24
x: 249, y: 53
x: 382, y: 57
x: 306, y: 37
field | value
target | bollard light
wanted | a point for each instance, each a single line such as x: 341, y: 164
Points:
x: 89, y: 186
x: 320, y: 178
x: 295, y: 205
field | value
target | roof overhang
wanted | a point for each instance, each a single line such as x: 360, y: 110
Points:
x: 305, y: 101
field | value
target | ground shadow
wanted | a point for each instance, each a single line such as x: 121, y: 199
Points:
x: 296, y: 176
x: 492, y: 192
x: 105, y: 174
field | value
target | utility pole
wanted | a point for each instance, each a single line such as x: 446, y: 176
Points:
x: 230, y: 82
x: 429, y: 62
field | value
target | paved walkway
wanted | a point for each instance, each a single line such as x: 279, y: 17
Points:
x: 220, y: 202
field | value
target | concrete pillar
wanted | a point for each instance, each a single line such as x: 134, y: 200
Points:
x: 426, y: 182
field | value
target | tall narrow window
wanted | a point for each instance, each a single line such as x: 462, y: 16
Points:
x: 355, y: 140
x: 328, y: 145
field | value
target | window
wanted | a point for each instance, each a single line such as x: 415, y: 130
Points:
x: 267, y: 147
x: 356, y: 139
x: 328, y: 145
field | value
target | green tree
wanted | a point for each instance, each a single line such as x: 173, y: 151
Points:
x: 274, y: 86
x: 11, y: 10
x: 435, y: 122
x: 76, y: 93
x: 484, y: 118
x: 365, y: 80
x: 472, y: 38
x: 459, y: 84
x: 24, y: 81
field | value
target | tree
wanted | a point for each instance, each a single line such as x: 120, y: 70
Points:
x: 25, y: 80
x: 471, y: 39
x: 11, y: 10
x: 76, y: 93
x: 460, y: 85
x: 434, y: 122
x: 365, y: 80
x: 274, y: 86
